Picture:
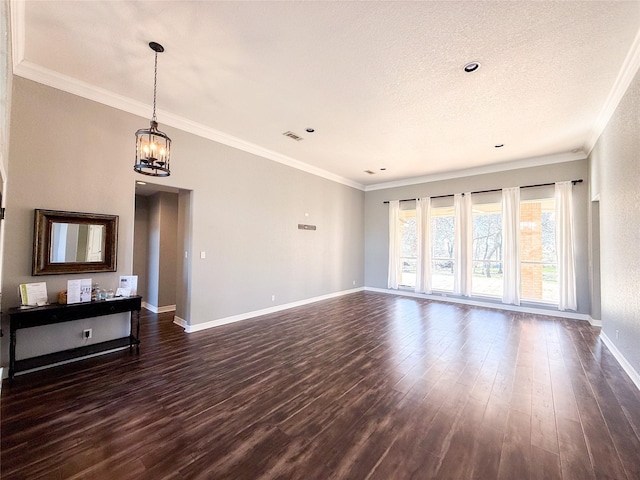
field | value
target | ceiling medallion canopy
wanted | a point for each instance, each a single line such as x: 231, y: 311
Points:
x: 153, y: 147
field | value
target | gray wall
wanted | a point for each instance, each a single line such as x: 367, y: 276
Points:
x: 72, y: 164
x: 244, y: 213
x: 615, y: 163
x: 183, y: 270
x: 140, y: 241
x: 163, y: 244
x: 153, y: 252
x: 5, y: 86
x: 377, y: 214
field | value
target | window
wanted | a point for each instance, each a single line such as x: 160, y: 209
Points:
x: 487, y: 271
x: 538, y: 260
x: 442, y: 225
x: 409, y: 241
x: 482, y: 255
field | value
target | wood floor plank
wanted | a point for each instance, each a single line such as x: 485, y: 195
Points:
x: 544, y: 464
x: 363, y: 386
x: 515, y: 461
x: 459, y: 457
x: 563, y: 398
x: 574, y: 456
x: 602, y: 451
x: 407, y: 456
x: 487, y: 452
x: 543, y: 420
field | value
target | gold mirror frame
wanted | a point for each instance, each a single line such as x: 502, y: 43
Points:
x: 43, y: 224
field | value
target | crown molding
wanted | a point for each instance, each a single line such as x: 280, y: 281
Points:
x: 82, y: 89
x: 33, y: 72
x: 627, y: 73
x: 17, y: 13
x: 494, y: 168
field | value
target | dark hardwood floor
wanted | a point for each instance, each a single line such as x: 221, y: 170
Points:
x: 365, y: 386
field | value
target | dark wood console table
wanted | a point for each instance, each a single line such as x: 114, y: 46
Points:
x: 56, y: 313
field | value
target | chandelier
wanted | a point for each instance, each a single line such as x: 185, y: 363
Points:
x: 153, y: 147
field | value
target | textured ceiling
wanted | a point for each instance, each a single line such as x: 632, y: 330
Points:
x: 382, y: 83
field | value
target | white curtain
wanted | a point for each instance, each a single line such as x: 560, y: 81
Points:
x: 395, y: 245
x: 423, y: 230
x: 511, y: 245
x: 462, y: 244
x: 564, y: 246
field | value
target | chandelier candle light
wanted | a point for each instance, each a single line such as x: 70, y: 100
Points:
x: 153, y: 147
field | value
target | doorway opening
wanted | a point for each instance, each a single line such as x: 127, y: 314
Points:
x: 162, y: 247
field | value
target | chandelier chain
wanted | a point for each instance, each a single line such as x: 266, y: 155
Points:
x: 155, y: 84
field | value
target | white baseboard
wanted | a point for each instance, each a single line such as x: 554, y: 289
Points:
x: 480, y: 303
x: 465, y: 301
x: 626, y: 366
x: 154, y: 309
x: 256, y: 313
x: 595, y: 322
x: 180, y: 321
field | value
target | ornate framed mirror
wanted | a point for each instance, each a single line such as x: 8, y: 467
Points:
x: 74, y: 242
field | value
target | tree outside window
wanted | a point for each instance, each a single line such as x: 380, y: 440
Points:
x: 442, y: 241
x: 409, y: 253
x: 487, y: 271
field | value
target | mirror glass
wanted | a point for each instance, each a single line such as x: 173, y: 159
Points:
x: 73, y: 242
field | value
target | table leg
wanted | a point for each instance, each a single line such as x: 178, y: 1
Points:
x: 12, y: 355
x: 138, y: 331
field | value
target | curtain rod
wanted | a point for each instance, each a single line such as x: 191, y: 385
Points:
x: 487, y: 191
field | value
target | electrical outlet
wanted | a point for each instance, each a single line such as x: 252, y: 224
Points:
x: 617, y: 334
x: 87, y: 333
x: 273, y: 298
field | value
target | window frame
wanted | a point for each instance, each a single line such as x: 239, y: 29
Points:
x: 546, y: 198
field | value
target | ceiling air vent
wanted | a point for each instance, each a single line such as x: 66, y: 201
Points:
x: 370, y: 172
x: 290, y: 134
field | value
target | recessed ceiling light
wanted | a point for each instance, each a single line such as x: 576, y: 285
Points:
x: 370, y: 172
x: 471, y: 67
x: 141, y: 183
x: 383, y: 169
x: 500, y: 145
x: 310, y: 130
